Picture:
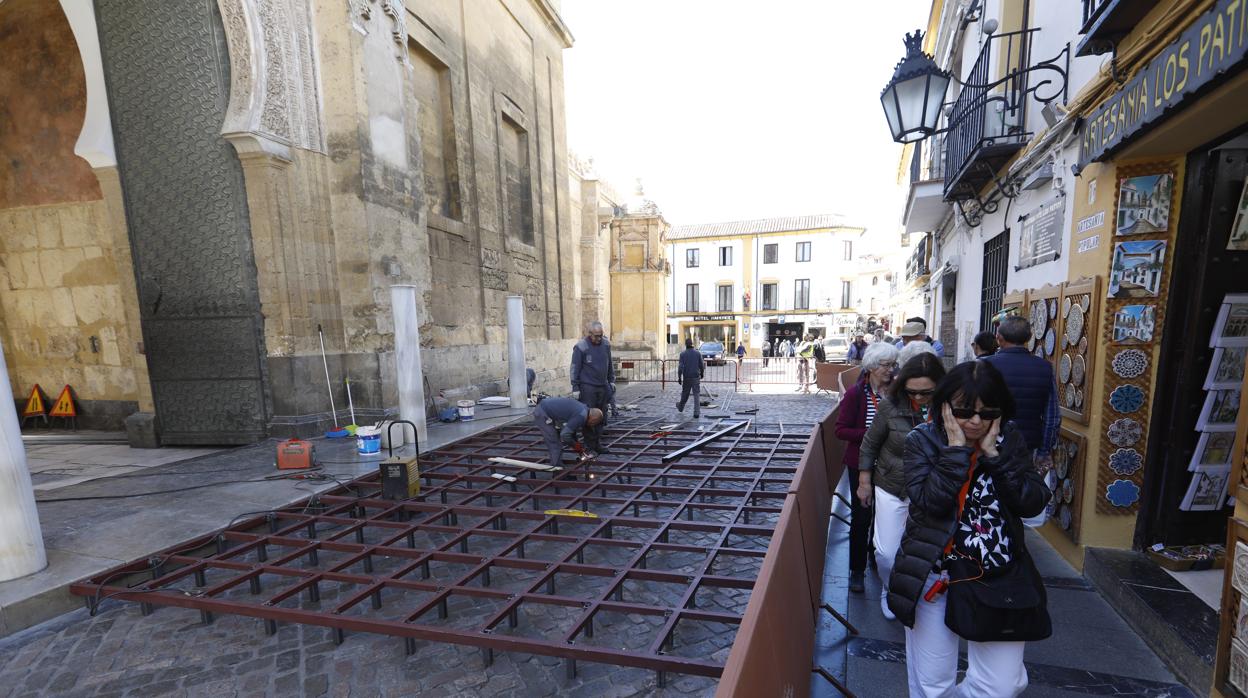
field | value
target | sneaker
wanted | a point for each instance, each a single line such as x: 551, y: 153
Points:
x: 857, y: 582
x: 680, y: 407
x: 888, y: 614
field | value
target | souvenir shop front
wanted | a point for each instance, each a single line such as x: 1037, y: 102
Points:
x: 1150, y: 336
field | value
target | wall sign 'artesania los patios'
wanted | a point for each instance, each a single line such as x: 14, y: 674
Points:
x: 1215, y: 43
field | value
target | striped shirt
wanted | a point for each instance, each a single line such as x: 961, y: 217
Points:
x: 873, y: 401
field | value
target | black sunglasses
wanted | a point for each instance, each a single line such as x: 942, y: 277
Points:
x: 987, y: 414
x: 920, y: 393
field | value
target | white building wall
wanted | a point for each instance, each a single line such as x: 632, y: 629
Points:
x: 708, y: 275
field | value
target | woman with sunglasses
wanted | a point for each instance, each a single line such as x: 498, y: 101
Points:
x: 881, y: 474
x: 970, y: 481
x: 856, y: 414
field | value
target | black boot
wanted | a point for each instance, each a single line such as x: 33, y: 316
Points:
x: 857, y: 582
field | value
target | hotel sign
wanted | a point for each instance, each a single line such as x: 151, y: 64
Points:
x: 1215, y: 43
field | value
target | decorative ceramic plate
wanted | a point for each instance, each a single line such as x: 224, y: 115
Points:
x: 1039, y: 319
x: 1069, y: 397
x: 1062, y: 465
x: 1083, y: 347
x: 1068, y: 490
x: 1130, y: 363
x: 1085, y: 302
x: 1050, y: 342
x: 1052, y: 308
x: 1126, y: 398
x: 1063, y: 369
x: 1125, y: 461
x: 1074, y: 324
x: 1065, y: 307
x: 1125, y: 432
x: 1078, y: 370
x: 1063, y: 517
x: 1122, y: 493
x: 1079, y: 398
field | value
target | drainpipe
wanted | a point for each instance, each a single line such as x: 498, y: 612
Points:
x: 411, y: 375
x: 517, y: 380
x: 21, y: 539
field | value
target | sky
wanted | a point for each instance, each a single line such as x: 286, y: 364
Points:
x: 738, y: 109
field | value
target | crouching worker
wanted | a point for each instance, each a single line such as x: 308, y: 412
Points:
x: 559, y: 419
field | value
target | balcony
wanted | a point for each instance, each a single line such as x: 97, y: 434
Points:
x: 925, y: 205
x: 918, y: 267
x: 1106, y: 22
x: 989, y: 118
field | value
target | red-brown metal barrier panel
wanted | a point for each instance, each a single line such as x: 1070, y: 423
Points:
x: 773, y: 654
x: 645, y: 371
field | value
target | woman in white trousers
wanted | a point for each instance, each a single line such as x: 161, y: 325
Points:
x: 881, y: 474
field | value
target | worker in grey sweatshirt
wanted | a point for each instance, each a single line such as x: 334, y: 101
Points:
x: 593, y: 377
x: 689, y: 375
x: 559, y: 419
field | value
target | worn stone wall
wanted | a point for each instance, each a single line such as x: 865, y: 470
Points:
x: 593, y: 206
x: 639, y: 269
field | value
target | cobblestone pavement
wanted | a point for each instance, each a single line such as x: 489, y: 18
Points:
x: 119, y: 652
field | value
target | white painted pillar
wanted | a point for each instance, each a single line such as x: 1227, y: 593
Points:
x: 517, y: 381
x: 411, y: 376
x: 21, y: 539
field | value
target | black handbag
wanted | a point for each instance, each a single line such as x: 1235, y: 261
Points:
x: 1007, y: 604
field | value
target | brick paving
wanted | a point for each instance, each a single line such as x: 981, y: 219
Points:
x: 120, y: 652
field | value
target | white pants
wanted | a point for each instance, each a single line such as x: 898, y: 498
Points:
x: 1050, y: 479
x: 890, y: 523
x: 994, y: 669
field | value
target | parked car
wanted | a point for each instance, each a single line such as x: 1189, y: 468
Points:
x: 836, y: 348
x: 712, y: 353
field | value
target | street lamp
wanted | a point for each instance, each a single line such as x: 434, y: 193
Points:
x: 913, y: 98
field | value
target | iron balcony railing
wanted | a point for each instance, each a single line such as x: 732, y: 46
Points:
x: 1092, y: 9
x: 918, y: 265
x: 927, y: 162
x: 989, y: 117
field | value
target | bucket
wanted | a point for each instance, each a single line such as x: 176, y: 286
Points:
x: 466, y: 409
x: 368, y: 441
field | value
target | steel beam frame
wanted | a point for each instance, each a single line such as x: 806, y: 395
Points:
x: 349, y: 559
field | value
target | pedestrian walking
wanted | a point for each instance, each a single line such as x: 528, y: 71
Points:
x: 856, y: 415
x: 963, y: 570
x: 560, y: 419
x: 914, y: 330
x: 740, y: 351
x: 881, y: 473
x: 853, y: 355
x: 984, y: 344
x: 689, y: 374
x: 1034, y: 388
x: 790, y: 348
x: 593, y: 379
x: 806, y: 354
x: 766, y: 353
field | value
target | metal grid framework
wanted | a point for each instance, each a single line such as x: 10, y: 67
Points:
x: 475, y: 559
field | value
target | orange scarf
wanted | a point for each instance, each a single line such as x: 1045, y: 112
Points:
x: 962, y: 492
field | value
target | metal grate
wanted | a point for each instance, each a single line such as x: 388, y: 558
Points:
x: 996, y: 269
x: 665, y: 546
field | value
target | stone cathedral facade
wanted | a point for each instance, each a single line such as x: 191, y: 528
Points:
x: 190, y: 189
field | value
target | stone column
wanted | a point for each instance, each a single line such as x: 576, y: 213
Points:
x: 517, y: 380
x: 411, y: 376
x: 21, y: 539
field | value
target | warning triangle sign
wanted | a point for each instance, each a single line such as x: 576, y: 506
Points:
x: 64, y: 406
x: 34, y: 403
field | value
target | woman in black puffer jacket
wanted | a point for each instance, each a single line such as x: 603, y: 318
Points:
x: 970, y: 405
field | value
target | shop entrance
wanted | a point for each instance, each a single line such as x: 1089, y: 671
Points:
x: 725, y: 332
x: 778, y: 332
x: 1184, y: 432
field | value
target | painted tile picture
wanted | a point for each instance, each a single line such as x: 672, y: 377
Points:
x: 1226, y: 370
x: 1220, y: 410
x: 1239, y: 227
x: 1137, y: 269
x: 1207, y: 491
x: 1231, y: 327
x: 1144, y: 204
x: 1133, y: 324
x: 1213, y: 450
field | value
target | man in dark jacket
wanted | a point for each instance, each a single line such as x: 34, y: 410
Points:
x: 559, y: 419
x: 689, y: 375
x: 1034, y: 388
x: 592, y: 375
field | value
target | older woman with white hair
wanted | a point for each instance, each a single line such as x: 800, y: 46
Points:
x: 913, y: 349
x: 857, y: 412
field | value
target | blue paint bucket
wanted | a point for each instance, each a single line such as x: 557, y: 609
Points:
x: 368, y: 441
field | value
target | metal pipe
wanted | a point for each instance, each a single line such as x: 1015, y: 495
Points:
x: 702, y: 442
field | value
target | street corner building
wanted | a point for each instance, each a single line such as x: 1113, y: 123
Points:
x: 192, y: 194
x: 1088, y: 172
